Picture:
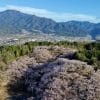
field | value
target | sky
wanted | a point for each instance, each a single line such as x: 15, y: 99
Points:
x: 58, y: 10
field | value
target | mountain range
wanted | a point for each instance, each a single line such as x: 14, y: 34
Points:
x: 14, y: 22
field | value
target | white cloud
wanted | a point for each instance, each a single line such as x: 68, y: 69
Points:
x: 53, y: 15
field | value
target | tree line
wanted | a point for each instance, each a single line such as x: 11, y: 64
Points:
x: 88, y: 52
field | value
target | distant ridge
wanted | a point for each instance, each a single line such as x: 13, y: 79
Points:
x: 13, y: 22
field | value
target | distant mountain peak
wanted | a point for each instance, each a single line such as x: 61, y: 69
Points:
x: 13, y: 22
x: 11, y: 11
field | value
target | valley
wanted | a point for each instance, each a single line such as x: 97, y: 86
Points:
x: 40, y: 37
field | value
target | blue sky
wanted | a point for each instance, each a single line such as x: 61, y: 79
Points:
x: 58, y: 10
